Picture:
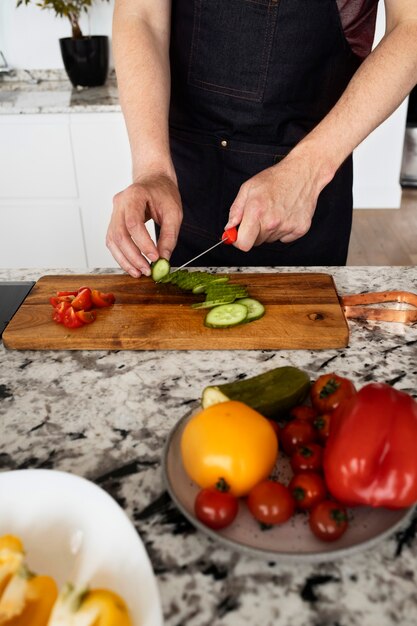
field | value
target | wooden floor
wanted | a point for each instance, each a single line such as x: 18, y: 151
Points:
x: 385, y: 236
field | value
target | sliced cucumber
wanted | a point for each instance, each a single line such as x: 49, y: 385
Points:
x: 208, y: 280
x: 255, y: 308
x: 176, y: 276
x: 226, y: 315
x: 160, y: 269
x: 209, y: 304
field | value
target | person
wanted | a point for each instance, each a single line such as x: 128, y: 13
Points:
x: 245, y: 113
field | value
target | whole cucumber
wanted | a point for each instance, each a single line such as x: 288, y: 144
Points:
x: 272, y: 393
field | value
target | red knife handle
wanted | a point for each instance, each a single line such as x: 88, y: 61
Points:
x: 230, y: 235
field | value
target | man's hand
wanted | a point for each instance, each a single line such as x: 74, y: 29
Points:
x: 152, y: 197
x: 278, y: 203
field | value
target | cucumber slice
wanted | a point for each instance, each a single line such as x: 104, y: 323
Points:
x: 205, y: 283
x: 209, y: 304
x: 226, y: 315
x: 228, y: 290
x: 177, y: 276
x: 160, y: 269
x: 255, y: 308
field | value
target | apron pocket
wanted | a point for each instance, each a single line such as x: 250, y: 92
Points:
x: 231, y: 46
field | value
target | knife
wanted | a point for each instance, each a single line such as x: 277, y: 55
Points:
x: 229, y: 236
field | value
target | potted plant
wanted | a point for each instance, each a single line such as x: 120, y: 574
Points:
x: 86, y: 59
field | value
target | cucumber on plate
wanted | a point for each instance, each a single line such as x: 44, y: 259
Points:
x: 272, y: 393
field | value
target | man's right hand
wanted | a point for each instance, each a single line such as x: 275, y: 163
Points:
x: 150, y: 197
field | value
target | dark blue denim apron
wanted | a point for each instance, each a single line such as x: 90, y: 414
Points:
x: 250, y: 78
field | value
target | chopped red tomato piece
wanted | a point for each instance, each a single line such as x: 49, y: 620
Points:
x: 83, y: 300
x: 101, y: 299
x: 66, y: 293
x: 59, y: 312
x: 73, y: 308
x: 71, y: 320
x: 87, y: 317
x: 56, y: 300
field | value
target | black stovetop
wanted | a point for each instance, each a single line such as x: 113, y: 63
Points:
x: 12, y: 295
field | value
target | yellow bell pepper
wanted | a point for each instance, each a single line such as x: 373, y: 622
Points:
x: 95, y: 607
x: 229, y: 440
x: 11, y: 558
x: 28, y: 599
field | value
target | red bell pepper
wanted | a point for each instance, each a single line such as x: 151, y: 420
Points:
x: 371, y: 454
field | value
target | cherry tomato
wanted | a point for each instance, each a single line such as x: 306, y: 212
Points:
x: 307, y: 458
x: 295, y: 434
x: 303, y: 412
x: 82, y: 301
x: 87, y: 317
x: 322, y: 426
x: 71, y: 320
x: 328, y: 520
x: 271, y: 502
x: 101, y: 299
x: 330, y: 390
x: 307, y: 489
x: 215, y: 506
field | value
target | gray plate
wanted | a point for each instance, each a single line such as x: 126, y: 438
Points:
x: 292, y: 541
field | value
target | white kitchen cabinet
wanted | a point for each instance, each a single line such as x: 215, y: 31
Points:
x: 102, y: 167
x: 41, y: 236
x: 59, y: 173
x: 36, y: 157
x: 40, y: 221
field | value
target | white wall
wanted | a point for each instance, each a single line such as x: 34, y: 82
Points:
x: 29, y: 35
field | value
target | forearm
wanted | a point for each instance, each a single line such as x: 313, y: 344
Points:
x: 376, y: 90
x: 141, y: 53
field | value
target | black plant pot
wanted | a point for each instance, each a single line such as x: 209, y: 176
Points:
x: 86, y: 60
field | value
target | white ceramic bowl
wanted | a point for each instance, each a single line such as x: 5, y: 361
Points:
x: 74, y: 531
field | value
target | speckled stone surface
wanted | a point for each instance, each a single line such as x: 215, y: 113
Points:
x: 106, y: 416
x: 50, y: 91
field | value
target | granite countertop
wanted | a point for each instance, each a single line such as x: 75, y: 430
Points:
x: 131, y: 401
x: 50, y: 91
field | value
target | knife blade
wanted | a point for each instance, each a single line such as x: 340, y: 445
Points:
x: 229, y: 236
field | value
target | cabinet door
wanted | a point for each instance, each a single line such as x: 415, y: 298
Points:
x: 103, y: 168
x: 41, y: 236
x: 40, y: 222
x: 36, y: 157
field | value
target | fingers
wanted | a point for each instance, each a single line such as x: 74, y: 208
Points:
x: 134, y: 217
x: 127, y: 237
x: 272, y: 206
x: 249, y: 230
x: 237, y: 208
x: 168, y: 235
x: 125, y: 252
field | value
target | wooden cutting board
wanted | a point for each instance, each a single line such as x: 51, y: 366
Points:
x: 302, y: 312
